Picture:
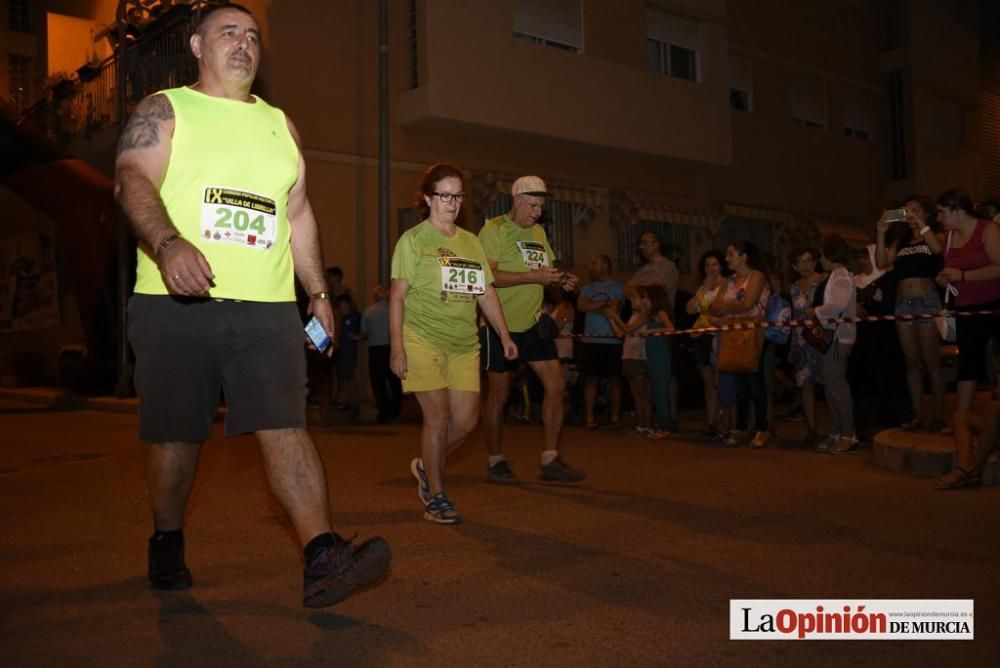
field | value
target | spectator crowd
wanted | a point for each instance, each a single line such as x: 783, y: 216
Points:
x: 618, y: 363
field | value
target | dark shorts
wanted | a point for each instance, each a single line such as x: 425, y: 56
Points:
x: 530, y: 348
x: 702, y: 346
x: 603, y: 360
x: 187, y: 351
x: 973, y: 334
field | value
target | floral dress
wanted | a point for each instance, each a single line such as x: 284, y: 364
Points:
x: 803, y: 356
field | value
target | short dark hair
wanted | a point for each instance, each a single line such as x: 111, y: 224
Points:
x: 798, y: 252
x: 835, y: 249
x: 957, y: 200
x: 205, y: 11
x: 717, y: 254
x: 660, y: 243
x: 434, y: 175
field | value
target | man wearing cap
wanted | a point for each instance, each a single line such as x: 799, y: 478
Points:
x: 522, y: 263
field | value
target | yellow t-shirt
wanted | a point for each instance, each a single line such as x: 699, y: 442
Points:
x: 445, y: 275
x: 232, y: 165
x: 517, y: 249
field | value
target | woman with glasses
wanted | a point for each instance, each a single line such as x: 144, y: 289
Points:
x: 439, y: 276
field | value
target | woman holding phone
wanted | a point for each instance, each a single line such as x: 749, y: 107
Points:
x: 906, y: 242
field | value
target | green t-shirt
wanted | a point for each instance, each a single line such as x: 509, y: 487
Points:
x: 445, y: 276
x: 517, y: 249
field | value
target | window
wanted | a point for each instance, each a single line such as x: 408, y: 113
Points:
x: 19, y: 15
x: 19, y: 74
x: 676, y: 237
x: 807, y: 101
x: 671, y: 45
x: 557, y: 221
x: 858, y: 117
x: 899, y: 169
x: 758, y: 232
x: 555, y: 23
x: 740, y: 84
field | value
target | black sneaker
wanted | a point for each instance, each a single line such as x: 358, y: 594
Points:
x: 501, y: 474
x: 338, y: 571
x: 167, y: 570
x: 560, y: 471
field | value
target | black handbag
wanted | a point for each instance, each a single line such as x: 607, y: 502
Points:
x: 818, y: 336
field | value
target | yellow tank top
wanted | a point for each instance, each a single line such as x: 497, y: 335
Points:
x: 232, y: 165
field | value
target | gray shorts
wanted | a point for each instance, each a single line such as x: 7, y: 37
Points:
x: 189, y: 351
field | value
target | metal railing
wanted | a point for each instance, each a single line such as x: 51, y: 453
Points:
x: 78, y: 108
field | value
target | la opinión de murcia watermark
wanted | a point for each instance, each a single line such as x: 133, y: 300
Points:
x: 889, y: 619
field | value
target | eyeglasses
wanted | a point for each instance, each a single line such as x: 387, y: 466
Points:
x: 450, y: 197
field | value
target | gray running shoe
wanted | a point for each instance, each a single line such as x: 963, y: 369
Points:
x: 423, y: 489
x: 441, y: 510
x: 501, y: 474
x: 560, y: 471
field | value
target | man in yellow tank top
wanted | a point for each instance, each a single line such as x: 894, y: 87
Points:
x: 212, y: 180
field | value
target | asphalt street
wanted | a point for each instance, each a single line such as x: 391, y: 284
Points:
x: 633, y: 567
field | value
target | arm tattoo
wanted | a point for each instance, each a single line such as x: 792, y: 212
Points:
x: 142, y: 129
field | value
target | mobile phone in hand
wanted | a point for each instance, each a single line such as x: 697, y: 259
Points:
x: 317, y: 335
x: 895, y: 215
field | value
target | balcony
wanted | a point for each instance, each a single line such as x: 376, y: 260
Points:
x: 476, y: 76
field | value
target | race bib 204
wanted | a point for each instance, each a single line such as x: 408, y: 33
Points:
x: 238, y: 217
x: 533, y: 253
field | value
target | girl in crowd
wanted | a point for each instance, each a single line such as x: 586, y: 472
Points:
x: 557, y: 302
x: 656, y: 305
x: 745, y: 296
x: 972, y: 267
x: 634, y: 366
x: 839, y: 300
x: 712, y: 267
x: 439, y: 276
x: 913, y: 251
x: 804, y: 358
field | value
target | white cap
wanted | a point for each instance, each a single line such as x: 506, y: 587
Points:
x: 529, y: 185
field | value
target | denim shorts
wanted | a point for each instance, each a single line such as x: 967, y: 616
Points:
x: 917, y: 305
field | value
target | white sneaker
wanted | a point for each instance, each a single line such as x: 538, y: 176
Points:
x: 827, y: 443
